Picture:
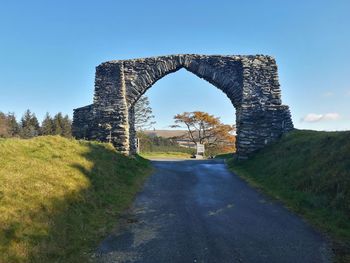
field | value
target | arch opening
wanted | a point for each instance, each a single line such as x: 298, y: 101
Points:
x: 184, y: 92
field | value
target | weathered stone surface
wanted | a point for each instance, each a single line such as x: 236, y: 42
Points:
x: 250, y: 82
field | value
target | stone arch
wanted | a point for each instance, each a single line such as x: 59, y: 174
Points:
x: 143, y: 74
x: 250, y: 82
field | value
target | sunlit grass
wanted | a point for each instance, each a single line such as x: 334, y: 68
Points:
x: 60, y: 197
x: 170, y: 155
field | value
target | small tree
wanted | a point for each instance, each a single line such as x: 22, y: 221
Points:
x: 14, y: 127
x: 62, y: 125
x: 57, y: 124
x: 4, y: 128
x: 29, y: 125
x: 47, y: 126
x: 143, y: 114
x: 66, y: 127
x: 207, y: 129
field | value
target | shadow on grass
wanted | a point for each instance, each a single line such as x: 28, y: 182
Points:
x: 72, y: 226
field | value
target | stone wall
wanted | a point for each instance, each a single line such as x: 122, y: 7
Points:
x: 82, y: 122
x: 250, y: 82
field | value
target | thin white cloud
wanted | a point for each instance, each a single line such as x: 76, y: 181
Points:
x: 331, y: 116
x: 328, y: 94
x: 313, y: 117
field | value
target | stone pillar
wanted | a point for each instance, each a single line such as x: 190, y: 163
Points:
x: 110, y: 106
x: 261, y: 118
x: 132, y: 131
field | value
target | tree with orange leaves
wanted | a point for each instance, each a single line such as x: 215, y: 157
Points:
x: 207, y: 129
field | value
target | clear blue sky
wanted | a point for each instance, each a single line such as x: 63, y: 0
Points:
x: 49, y: 50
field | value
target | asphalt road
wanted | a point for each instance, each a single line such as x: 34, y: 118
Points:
x: 198, y: 211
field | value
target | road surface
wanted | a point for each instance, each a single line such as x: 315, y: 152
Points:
x: 198, y: 211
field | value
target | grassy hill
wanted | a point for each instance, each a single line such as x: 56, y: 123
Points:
x: 310, y: 172
x: 60, y: 197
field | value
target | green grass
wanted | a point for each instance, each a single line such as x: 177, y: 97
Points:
x: 310, y: 172
x: 59, y: 198
x: 224, y: 155
x: 170, y: 155
x: 171, y: 148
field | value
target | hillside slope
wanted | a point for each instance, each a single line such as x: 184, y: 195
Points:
x: 310, y: 172
x: 60, y: 197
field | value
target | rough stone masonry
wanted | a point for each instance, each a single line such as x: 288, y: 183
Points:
x: 250, y: 82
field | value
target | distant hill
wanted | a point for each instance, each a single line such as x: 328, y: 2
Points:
x: 184, y: 142
x: 166, y: 133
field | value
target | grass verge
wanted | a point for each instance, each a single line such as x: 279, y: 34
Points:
x: 165, y: 155
x: 225, y: 155
x: 310, y: 172
x: 60, y: 197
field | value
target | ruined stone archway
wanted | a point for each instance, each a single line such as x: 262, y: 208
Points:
x: 250, y: 82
